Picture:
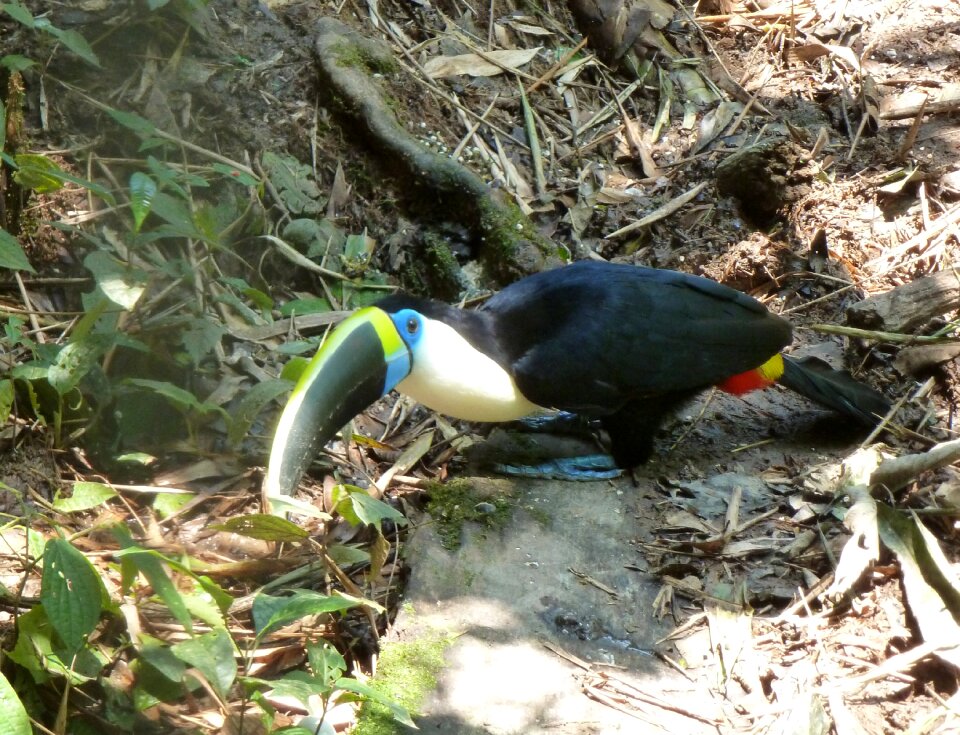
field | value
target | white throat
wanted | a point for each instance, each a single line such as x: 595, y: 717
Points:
x: 452, y: 377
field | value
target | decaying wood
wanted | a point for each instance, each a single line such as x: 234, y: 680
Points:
x: 916, y: 359
x: 897, y: 472
x: 910, y: 306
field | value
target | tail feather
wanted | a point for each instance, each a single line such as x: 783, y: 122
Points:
x: 836, y: 389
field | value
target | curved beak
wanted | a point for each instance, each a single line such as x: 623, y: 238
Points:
x: 360, y: 362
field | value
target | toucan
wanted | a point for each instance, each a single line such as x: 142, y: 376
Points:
x: 614, y: 342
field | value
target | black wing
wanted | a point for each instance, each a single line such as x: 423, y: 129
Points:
x: 591, y: 336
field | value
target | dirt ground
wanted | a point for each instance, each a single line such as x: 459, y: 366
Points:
x: 847, y: 193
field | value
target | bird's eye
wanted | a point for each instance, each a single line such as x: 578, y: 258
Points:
x: 412, y: 325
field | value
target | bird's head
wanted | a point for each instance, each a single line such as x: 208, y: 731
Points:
x: 362, y: 360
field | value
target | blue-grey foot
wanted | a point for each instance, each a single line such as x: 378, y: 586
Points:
x: 586, y: 468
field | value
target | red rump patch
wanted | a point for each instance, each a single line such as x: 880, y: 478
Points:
x: 745, y: 382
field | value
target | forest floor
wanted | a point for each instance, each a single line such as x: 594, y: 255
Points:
x: 281, y: 205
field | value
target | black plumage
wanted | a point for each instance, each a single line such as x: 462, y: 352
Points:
x: 625, y: 344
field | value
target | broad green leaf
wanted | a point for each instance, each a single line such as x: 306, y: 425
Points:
x: 250, y: 406
x: 162, y: 659
x: 182, y: 399
x: 271, y: 612
x: 142, y: 191
x: 166, y: 504
x: 294, y: 368
x: 12, y: 255
x: 16, y: 63
x: 71, y: 592
x: 13, y: 715
x: 38, y: 652
x: 175, y: 212
x: 140, y: 125
x: 326, y: 662
x: 264, y: 527
x: 38, y: 172
x: 150, y: 565
x: 300, y: 307
x: 19, y: 13
x: 120, y: 283
x: 399, y: 713
x: 213, y: 655
x: 300, y: 687
x: 201, y: 338
x: 71, y: 39
x: 6, y: 399
x: 357, y: 506
x: 345, y: 556
x: 77, y: 359
x: 85, y: 495
x: 294, y: 183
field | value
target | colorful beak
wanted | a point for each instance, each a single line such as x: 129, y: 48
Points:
x: 361, y: 361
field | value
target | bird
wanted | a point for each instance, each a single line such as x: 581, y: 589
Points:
x: 614, y: 342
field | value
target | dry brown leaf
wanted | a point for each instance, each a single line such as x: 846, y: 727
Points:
x: 474, y: 65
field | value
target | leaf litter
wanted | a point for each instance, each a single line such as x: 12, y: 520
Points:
x: 801, y: 613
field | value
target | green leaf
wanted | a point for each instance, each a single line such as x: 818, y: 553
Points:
x: 120, y: 283
x: 326, y: 662
x: 213, y: 655
x: 345, y: 556
x: 399, y: 713
x: 357, y: 506
x: 71, y: 39
x: 300, y: 307
x: 140, y: 125
x: 38, y: 652
x: 77, y: 359
x: 294, y: 183
x: 16, y: 63
x: 271, y: 612
x: 19, y: 13
x: 142, y: 191
x: 201, y: 338
x: 166, y: 504
x: 150, y: 565
x: 264, y: 527
x: 12, y: 255
x: 182, y: 399
x: 85, y: 495
x: 294, y: 368
x: 38, y: 172
x: 299, y: 687
x: 6, y: 400
x: 252, y: 404
x: 71, y: 592
x: 13, y: 714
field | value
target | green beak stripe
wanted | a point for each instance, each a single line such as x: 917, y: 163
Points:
x: 348, y: 373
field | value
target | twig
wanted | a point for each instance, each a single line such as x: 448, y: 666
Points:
x: 552, y: 71
x: 661, y: 212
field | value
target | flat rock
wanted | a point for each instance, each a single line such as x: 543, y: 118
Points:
x: 561, y: 579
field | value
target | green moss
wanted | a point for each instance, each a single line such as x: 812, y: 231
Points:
x: 406, y: 674
x: 456, y: 502
x: 354, y: 55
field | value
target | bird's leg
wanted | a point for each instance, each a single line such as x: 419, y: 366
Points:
x: 586, y: 468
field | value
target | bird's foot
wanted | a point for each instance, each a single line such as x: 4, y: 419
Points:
x: 586, y: 468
